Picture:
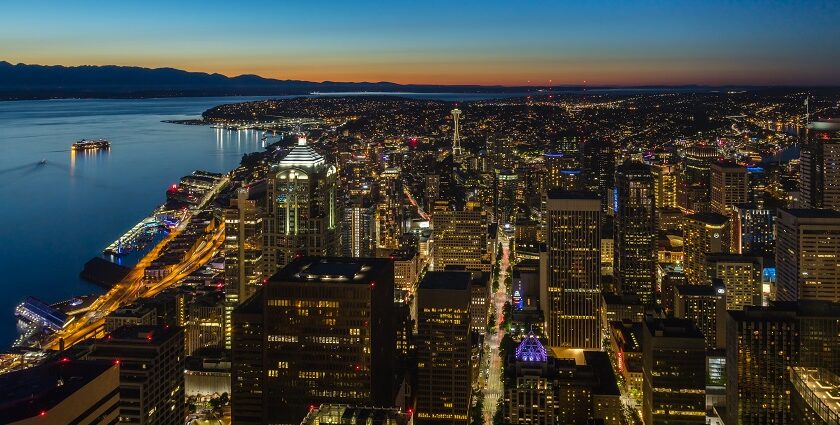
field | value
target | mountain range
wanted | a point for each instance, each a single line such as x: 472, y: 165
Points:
x: 23, y: 81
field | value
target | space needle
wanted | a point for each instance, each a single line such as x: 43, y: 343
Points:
x: 456, y: 137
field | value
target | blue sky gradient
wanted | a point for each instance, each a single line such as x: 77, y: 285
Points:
x: 455, y: 42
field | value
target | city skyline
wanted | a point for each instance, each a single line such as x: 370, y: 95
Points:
x: 603, y: 43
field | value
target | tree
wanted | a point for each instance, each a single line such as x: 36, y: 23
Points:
x: 225, y: 399
x: 499, y: 417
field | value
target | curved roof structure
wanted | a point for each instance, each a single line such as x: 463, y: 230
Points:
x: 531, y: 350
x: 302, y: 155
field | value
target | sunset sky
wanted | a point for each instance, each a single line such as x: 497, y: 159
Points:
x: 455, y: 42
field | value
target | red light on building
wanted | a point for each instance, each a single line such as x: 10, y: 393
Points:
x: 373, y: 284
x: 43, y: 413
x: 117, y: 362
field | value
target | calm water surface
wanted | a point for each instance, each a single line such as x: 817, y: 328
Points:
x: 55, y: 217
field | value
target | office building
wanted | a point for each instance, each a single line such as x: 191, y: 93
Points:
x: 243, y: 249
x: 819, y: 185
x: 460, y: 238
x: 598, y: 169
x: 343, y: 414
x: 635, y: 231
x: 300, y: 209
x: 247, y: 371
x: 665, y: 185
x: 674, y: 364
x: 807, y: 255
x: 764, y: 344
x: 705, y: 233
x: 729, y: 186
x: 753, y: 229
x: 705, y: 306
x: 358, y: 229
x: 740, y: 276
x: 205, y: 322
x: 84, y: 392
x: 572, y: 299
x: 151, y: 367
x: 543, y: 389
x: 443, y: 349
x: 328, y: 336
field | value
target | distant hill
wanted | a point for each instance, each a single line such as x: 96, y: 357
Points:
x: 23, y: 81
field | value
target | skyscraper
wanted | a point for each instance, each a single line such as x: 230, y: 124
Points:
x: 300, y: 213
x: 358, y: 229
x: 443, y: 349
x: 807, y: 255
x: 729, y: 186
x: 705, y: 233
x: 674, y: 365
x: 58, y: 392
x: 665, y: 185
x: 598, y: 166
x: 151, y: 360
x: 740, y: 275
x: 635, y: 231
x: 328, y: 336
x: 819, y: 186
x: 764, y: 343
x: 243, y: 250
x: 460, y: 238
x: 705, y: 305
x: 572, y: 300
x: 247, y: 380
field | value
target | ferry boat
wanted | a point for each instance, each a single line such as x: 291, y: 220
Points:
x: 90, y: 145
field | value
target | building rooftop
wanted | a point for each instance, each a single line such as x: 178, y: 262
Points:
x: 331, y: 269
x: 531, y: 350
x: 709, y: 218
x: 141, y: 333
x: 32, y: 392
x: 811, y: 213
x: 572, y: 194
x: 700, y: 290
x: 450, y: 280
x: 302, y: 155
x: 673, y: 328
x: 342, y: 414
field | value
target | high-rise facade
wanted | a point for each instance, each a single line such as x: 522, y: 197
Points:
x: 819, y: 185
x: 460, y: 238
x: 665, y: 185
x: 358, y: 229
x: 674, y: 367
x: 598, y: 167
x: 705, y: 305
x: 301, y: 216
x: 807, y: 255
x: 572, y: 302
x: 543, y: 389
x: 729, y: 186
x: 247, y: 376
x: 741, y: 277
x: 151, y: 360
x: 243, y: 251
x: 85, y: 392
x: 443, y: 349
x: 764, y: 343
x: 704, y: 233
x: 635, y: 231
x: 328, y: 336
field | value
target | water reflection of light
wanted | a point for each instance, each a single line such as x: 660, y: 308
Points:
x: 72, y: 161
